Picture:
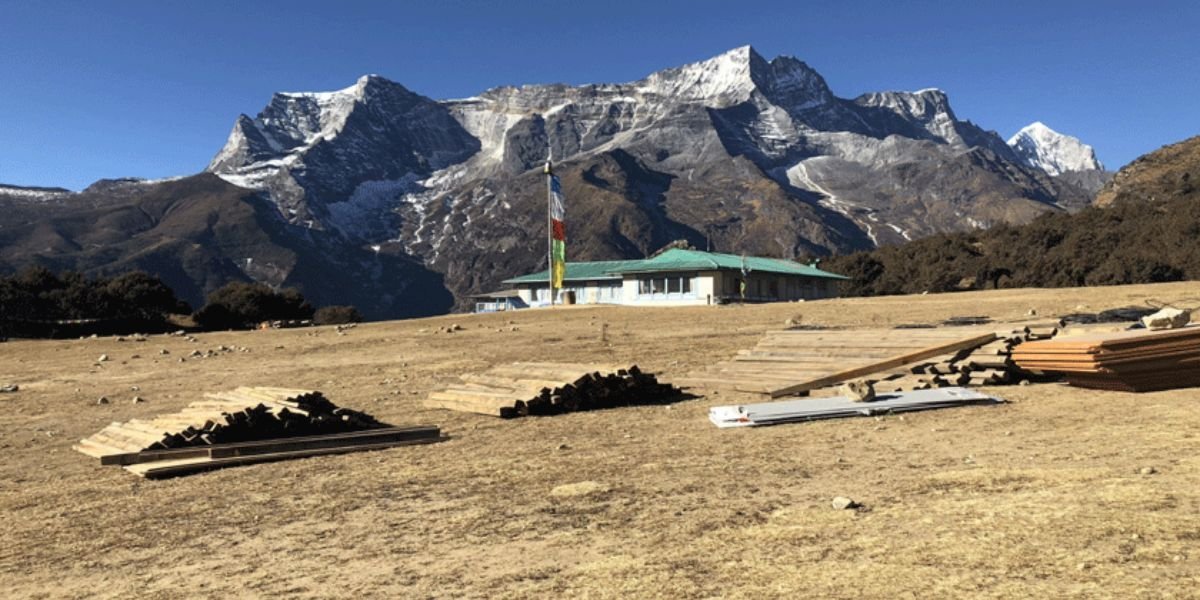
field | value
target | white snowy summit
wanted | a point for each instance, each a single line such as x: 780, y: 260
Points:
x: 1053, y: 152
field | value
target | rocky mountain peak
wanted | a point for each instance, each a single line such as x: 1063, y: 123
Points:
x: 1039, y: 146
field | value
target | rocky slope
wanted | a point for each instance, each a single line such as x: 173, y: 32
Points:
x: 1170, y: 172
x: 198, y: 233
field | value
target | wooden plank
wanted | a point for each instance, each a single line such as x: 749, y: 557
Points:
x: 183, y: 466
x: 891, y: 363
x: 470, y: 404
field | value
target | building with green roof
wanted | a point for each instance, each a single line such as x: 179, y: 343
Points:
x: 682, y: 277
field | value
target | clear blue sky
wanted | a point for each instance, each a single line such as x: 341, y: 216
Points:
x: 150, y: 89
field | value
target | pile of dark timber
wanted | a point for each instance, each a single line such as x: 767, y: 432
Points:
x: 523, y: 389
x: 243, y: 426
x: 1138, y: 360
x: 989, y: 364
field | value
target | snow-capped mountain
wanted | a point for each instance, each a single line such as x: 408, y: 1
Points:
x: 736, y: 137
x: 736, y: 153
x: 1055, y: 153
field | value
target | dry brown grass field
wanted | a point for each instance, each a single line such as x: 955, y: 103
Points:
x: 1045, y: 497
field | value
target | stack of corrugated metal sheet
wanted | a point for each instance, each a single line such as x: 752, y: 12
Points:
x: 791, y: 411
x: 1138, y: 360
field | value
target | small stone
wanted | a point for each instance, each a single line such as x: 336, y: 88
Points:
x: 455, y: 327
x: 180, y: 333
x: 196, y: 354
x: 1167, y: 318
x: 8, y: 388
x: 857, y: 391
x: 134, y: 388
x: 1007, y: 433
x: 103, y: 358
x: 102, y: 400
x: 134, y: 356
x: 120, y: 338
x: 1025, y: 382
x: 138, y: 400
x: 164, y: 352
x: 563, y: 447
x: 1032, y: 312
x: 1083, y: 566
x: 1147, y: 470
x: 844, y: 503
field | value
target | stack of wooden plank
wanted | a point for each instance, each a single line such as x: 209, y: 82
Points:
x: 815, y: 362
x: 527, y: 388
x: 1137, y: 360
x: 243, y: 426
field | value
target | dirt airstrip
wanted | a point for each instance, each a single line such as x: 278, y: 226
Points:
x: 1064, y: 492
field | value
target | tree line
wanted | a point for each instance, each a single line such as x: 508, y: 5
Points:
x: 37, y: 302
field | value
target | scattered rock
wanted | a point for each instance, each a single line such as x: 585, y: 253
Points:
x: 120, y: 338
x: 102, y: 400
x: 138, y: 400
x: 1167, y: 318
x: 1032, y: 312
x: 563, y: 447
x: 164, y: 352
x: 134, y: 388
x: 134, y: 356
x: 1025, y: 382
x: 8, y: 388
x: 454, y: 327
x: 844, y: 503
x: 137, y: 337
x: 576, y: 490
x: 180, y: 333
x: 1083, y: 566
x: 857, y: 391
x: 103, y: 358
x: 1147, y: 470
x: 196, y: 354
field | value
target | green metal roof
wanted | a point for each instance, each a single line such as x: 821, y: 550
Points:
x: 678, y: 259
x: 580, y: 271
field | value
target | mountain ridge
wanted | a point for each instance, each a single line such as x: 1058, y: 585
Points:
x: 735, y: 152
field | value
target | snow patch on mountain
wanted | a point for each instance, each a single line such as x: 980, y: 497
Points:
x: 35, y: 194
x: 1055, y: 153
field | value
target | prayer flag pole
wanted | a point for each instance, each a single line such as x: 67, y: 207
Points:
x: 550, y: 230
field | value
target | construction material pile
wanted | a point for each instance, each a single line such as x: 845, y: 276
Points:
x: 523, y: 389
x: 1137, y: 360
x: 791, y: 411
x: 241, y: 415
x: 814, y: 361
x: 247, y: 425
x: 988, y: 364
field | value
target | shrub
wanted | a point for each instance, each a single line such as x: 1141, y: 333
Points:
x: 242, y: 305
x: 337, y: 315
